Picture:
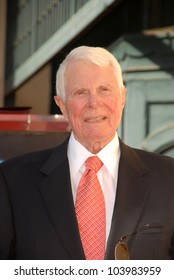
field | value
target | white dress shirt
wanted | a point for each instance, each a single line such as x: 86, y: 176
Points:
x: 107, y: 175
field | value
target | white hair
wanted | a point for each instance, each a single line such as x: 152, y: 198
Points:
x: 95, y: 55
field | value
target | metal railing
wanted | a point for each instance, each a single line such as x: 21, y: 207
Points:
x: 35, y: 21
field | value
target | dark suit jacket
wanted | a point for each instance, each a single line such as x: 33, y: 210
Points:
x: 37, y: 217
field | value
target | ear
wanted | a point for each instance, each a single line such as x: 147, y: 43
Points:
x: 61, y: 105
x: 123, y: 93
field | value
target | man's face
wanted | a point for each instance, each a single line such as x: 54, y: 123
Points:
x: 93, y: 102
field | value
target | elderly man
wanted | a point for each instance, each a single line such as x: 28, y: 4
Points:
x: 92, y: 197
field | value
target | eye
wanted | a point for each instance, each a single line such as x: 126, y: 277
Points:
x: 104, y: 90
x: 80, y: 92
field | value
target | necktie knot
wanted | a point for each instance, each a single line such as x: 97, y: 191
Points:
x: 93, y: 163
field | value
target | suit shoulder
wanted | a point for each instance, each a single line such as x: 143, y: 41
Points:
x: 37, y: 158
x: 27, y: 157
x: 154, y: 156
x: 150, y: 160
x: 156, y: 162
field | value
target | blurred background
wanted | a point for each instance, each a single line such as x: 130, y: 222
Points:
x: 37, y: 34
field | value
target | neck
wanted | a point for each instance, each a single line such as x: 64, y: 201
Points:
x: 95, y: 148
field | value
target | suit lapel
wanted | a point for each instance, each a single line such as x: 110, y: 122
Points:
x: 132, y: 193
x: 57, y: 195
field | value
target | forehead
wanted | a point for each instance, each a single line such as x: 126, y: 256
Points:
x: 80, y: 71
x: 81, y: 64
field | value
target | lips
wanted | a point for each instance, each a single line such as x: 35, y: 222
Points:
x: 95, y: 119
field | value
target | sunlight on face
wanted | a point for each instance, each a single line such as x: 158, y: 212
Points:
x: 93, y: 103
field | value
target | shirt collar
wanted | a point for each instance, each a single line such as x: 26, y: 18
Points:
x: 109, y: 155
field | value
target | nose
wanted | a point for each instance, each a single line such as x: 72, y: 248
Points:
x: 94, y: 99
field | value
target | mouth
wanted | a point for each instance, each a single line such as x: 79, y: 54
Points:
x: 96, y: 119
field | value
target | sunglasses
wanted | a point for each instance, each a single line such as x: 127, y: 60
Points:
x: 121, y: 248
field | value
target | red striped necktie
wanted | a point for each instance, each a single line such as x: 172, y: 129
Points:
x: 90, y: 211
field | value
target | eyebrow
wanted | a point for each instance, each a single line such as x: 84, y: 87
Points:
x: 79, y: 89
x: 105, y: 86
x: 86, y: 88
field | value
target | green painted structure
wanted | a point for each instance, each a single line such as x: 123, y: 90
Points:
x: 147, y: 61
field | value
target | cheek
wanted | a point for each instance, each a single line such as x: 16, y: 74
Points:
x: 114, y: 106
x: 73, y: 110
x: 115, y: 109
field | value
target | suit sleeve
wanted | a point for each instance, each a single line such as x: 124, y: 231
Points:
x: 7, y: 240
